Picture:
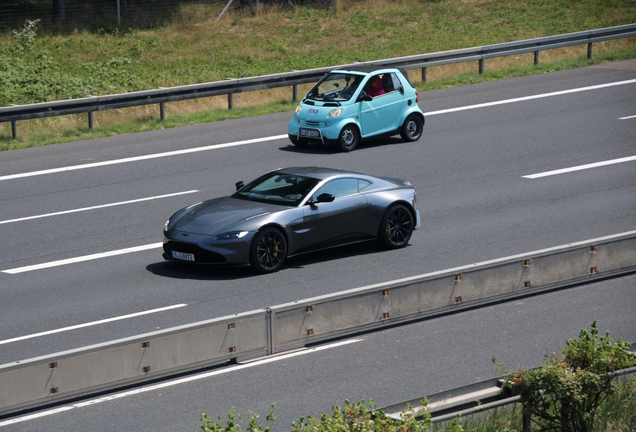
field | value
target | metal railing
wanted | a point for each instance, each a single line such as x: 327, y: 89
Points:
x: 230, y: 87
x: 470, y: 399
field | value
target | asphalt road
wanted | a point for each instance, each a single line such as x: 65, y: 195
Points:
x: 479, y: 142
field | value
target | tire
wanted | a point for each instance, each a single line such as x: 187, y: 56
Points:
x: 396, y: 227
x: 268, y: 251
x: 349, y: 138
x: 298, y: 143
x: 412, y: 128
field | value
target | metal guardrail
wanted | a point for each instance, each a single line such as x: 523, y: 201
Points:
x: 467, y: 400
x: 230, y: 87
x: 62, y: 376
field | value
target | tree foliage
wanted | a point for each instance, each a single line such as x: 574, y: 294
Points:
x: 565, y: 393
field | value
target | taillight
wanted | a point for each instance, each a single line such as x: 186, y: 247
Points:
x: 417, y: 97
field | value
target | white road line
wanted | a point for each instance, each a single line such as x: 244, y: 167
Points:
x: 526, y: 98
x: 82, y: 258
x: 625, y: 118
x: 97, y: 207
x: 276, y: 137
x: 580, y: 167
x: 140, y: 158
x: 93, y: 323
x: 175, y: 382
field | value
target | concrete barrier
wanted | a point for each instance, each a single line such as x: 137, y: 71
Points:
x: 336, y: 315
x: 65, y: 375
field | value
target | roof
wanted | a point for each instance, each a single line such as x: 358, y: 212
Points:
x: 316, y: 172
x: 367, y: 68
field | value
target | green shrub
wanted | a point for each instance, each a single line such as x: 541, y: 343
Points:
x: 566, y: 392
x: 364, y: 417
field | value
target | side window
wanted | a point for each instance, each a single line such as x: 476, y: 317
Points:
x: 339, y: 188
x: 387, y: 82
x: 363, y: 184
x: 396, y: 81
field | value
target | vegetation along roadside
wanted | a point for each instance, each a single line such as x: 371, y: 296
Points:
x: 575, y: 391
x: 40, y: 62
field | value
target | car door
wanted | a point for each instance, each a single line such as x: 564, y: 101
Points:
x: 344, y: 219
x: 381, y: 114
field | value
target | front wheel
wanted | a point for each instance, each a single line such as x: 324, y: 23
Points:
x: 298, y: 143
x: 412, y: 128
x: 349, y: 138
x: 269, y: 250
x: 396, y: 227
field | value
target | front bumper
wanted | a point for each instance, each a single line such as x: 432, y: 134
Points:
x: 206, y: 250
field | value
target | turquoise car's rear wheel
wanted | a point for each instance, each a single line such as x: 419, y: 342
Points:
x: 349, y: 138
x: 412, y: 128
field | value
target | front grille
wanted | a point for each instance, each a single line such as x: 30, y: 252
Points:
x: 200, y: 255
x: 313, y: 123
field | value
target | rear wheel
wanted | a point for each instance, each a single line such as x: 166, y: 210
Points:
x: 269, y: 250
x: 412, y: 128
x: 396, y: 227
x: 349, y: 138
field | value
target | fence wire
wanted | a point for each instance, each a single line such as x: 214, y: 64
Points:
x: 107, y: 15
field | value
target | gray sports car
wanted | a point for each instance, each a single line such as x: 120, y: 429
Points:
x: 291, y: 211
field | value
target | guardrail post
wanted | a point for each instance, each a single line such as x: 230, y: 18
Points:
x: 423, y: 74
x: 526, y: 419
x: 162, y: 111
x: 294, y: 93
x: 230, y: 101
x: 14, y: 129
x: 589, y: 50
x: 536, y: 58
x: 90, y: 119
x: 481, y: 66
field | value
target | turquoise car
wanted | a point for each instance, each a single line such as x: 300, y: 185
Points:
x: 350, y: 105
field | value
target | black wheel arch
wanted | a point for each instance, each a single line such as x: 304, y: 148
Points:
x: 406, y: 204
x: 279, y: 228
x: 419, y: 114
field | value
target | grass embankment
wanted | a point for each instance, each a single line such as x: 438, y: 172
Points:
x: 193, y: 48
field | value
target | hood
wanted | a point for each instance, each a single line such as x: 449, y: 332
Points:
x: 220, y: 215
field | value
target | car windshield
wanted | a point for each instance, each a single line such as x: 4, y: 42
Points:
x: 278, y: 188
x: 335, y: 86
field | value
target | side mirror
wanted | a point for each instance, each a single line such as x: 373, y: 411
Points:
x: 325, y: 197
x: 401, y: 89
x: 239, y: 184
x: 322, y: 198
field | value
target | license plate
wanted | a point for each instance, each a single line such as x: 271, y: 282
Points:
x: 183, y: 256
x: 309, y: 133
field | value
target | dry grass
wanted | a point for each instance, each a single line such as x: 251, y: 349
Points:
x: 195, y: 48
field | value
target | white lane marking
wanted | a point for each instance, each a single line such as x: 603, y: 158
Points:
x: 526, y: 98
x: 82, y: 258
x: 141, y: 158
x: 625, y: 118
x: 275, y: 137
x: 96, y: 207
x: 92, y: 323
x: 580, y: 167
x: 176, y: 382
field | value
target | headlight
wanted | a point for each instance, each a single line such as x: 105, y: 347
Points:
x: 335, y: 113
x: 231, y: 235
x: 166, y: 225
x: 299, y: 108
